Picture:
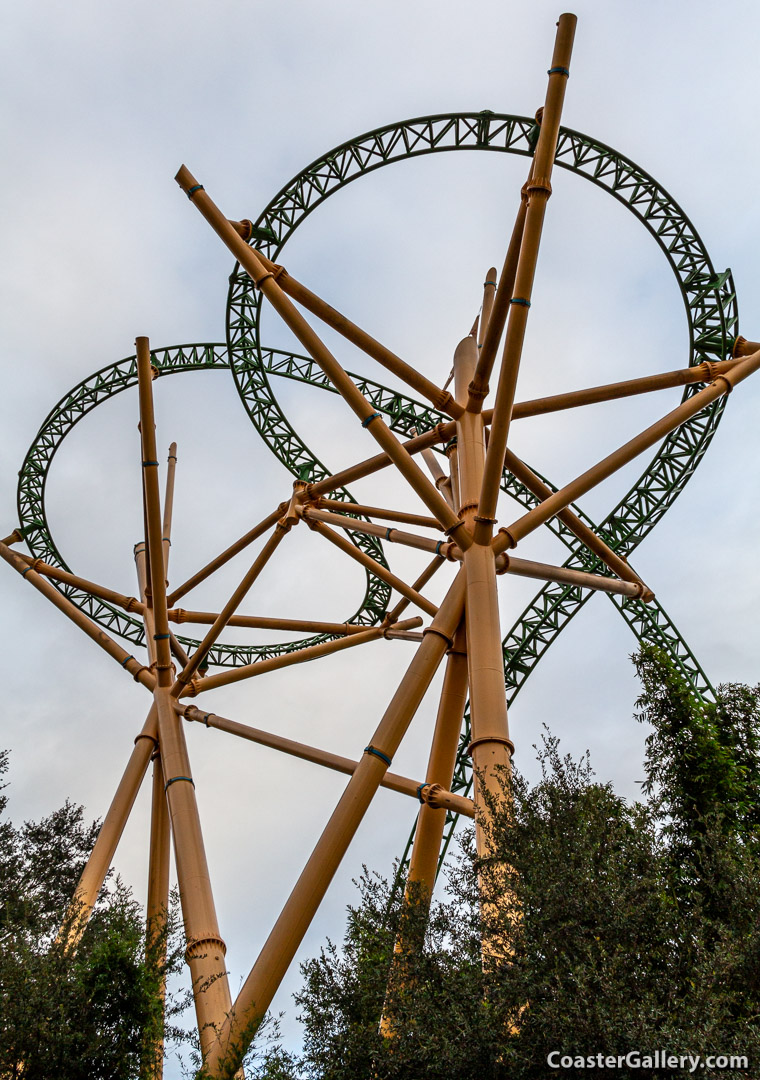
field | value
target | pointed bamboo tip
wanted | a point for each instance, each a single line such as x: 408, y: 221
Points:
x: 185, y: 178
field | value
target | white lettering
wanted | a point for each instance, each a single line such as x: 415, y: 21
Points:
x: 550, y: 1063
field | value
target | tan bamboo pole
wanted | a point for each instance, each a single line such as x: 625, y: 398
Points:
x: 128, y: 603
x: 156, y: 575
x: 109, y: 834
x: 440, y: 769
x: 393, y: 536
x: 453, y: 458
x: 15, y: 538
x: 491, y: 747
x: 178, y: 652
x: 169, y: 504
x: 306, y: 626
x: 440, y: 433
x: 704, y: 372
x: 430, y: 822
x: 564, y: 575
x: 489, y: 291
x: 205, y: 949
x: 229, y: 553
x: 138, y: 671
x: 420, y: 520
x: 159, y: 852
x: 349, y: 330
x: 156, y: 913
x: 404, y: 785
x: 369, y: 417
x: 403, y: 603
x: 281, y: 945
x: 536, y: 517
x: 258, y: 564
x: 479, y: 387
x: 585, y: 534
x: 274, y: 663
x: 371, y: 564
x: 403, y: 635
x: 539, y: 190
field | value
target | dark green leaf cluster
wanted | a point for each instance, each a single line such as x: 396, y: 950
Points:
x: 85, y: 1014
x: 608, y: 927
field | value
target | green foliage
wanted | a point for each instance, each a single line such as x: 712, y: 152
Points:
x: 87, y: 1015
x: 610, y: 926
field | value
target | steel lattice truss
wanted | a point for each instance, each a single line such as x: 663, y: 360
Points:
x: 449, y: 432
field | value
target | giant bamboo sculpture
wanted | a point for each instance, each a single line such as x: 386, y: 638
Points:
x: 455, y: 456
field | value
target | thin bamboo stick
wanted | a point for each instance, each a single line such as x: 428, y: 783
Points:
x: 539, y: 190
x: 546, y: 572
x: 316, y: 348
x: 402, y: 784
x: 169, y: 505
x: 587, y: 535
x: 349, y: 330
x: 109, y: 834
x: 265, y: 977
x: 298, y: 656
x: 128, y: 603
x: 229, y: 553
x: 403, y: 603
x: 189, y: 670
x: 401, y: 516
x: 478, y: 389
x: 306, y: 626
x: 393, y: 536
x: 704, y: 372
x: 371, y: 564
x: 157, y: 912
x: 489, y: 291
x: 723, y: 384
x: 153, y: 520
x: 138, y: 671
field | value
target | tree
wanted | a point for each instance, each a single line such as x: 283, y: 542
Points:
x: 624, y: 927
x: 89, y: 1014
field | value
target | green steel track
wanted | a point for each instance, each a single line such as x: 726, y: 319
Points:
x: 711, y: 312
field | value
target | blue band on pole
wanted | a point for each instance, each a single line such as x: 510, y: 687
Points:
x: 205, y: 718
x: 125, y: 662
x: 191, y: 191
x: 438, y: 547
x: 519, y: 300
x: 161, y: 637
x: 147, y: 463
x: 368, y: 421
x: 388, y: 532
x: 558, y: 70
x: 419, y: 793
x: 378, y: 753
x: 174, y: 780
x: 489, y: 283
x: 25, y: 572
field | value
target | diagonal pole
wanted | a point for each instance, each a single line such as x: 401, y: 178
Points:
x: 369, y: 417
x: 288, y: 932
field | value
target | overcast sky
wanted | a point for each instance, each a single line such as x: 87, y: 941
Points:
x: 101, y: 104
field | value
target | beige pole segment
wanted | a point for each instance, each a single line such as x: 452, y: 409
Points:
x: 169, y: 505
x: 371, y: 564
x: 575, y: 525
x: 205, y: 949
x: 539, y: 190
x: 377, y: 512
x: 138, y: 671
x: 101, y: 856
x: 420, y: 583
x: 157, y: 906
x: 129, y: 603
x: 230, y: 553
x: 306, y: 626
x: 704, y: 372
x: 478, y: 389
x: 491, y: 746
x: 489, y: 291
x: 440, y: 770
x: 316, y: 348
x: 404, y: 785
x: 353, y: 333
x: 563, y: 574
x: 723, y: 384
x: 258, y: 564
x: 262, y: 983
x: 384, y: 532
